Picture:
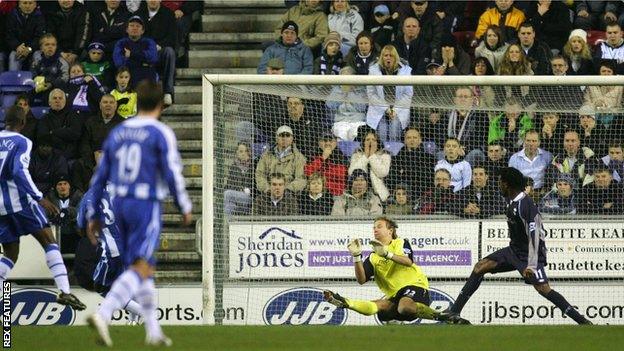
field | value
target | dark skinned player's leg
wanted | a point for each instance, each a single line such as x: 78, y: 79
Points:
x: 474, y: 281
x: 560, y: 301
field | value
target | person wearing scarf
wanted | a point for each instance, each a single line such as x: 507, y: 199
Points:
x: 330, y: 62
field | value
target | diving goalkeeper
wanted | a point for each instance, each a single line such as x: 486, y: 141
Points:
x: 405, y: 286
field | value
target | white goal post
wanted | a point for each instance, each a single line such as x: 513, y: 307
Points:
x: 211, y: 107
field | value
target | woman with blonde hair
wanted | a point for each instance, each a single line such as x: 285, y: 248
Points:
x: 515, y: 63
x: 347, y: 22
x: 389, y: 107
x: 579, y: 54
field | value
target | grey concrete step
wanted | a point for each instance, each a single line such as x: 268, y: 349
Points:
x: 193, y: 76
x: 177, y: 242
x: 185, y: 130
x: 261, y: 21
x: 179, y: 109
x: 170, y: 208
x: 178, y: 256
x: 208, y: 4
x: 188, y: 94
x: 192, y: 167
x: 225, y: 38
x: 177, y: 277
x: 190, y: 145
x: 223, y: 59
x: 174, y: 219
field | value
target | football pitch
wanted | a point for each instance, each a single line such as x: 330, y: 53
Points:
x: 326, y: 338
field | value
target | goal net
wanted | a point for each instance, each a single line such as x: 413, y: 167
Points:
x: 296, y: 166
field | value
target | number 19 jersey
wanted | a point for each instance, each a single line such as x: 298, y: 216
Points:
x: 141, y: 161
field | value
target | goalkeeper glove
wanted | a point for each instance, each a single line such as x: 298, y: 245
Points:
x: 355, y: 248
x: 381, y: 249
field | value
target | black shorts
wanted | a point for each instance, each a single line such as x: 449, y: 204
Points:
x: 507, y: 260
x: 417, y: 294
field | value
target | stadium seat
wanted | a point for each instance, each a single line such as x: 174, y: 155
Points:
x: 595, y: 37
x: 16, y: 82
x: 393, y: 147
x: 8, y: 100
x: 348, y: 147
x: 2, y: 113
x: 258, y: 149
x: 430, y: 147
x: 39, y: 111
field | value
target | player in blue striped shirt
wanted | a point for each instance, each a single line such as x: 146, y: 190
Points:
x: 110, y: 265
x: 21, y: 211
x: 141, y: 163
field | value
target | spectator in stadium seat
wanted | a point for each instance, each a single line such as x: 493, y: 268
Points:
x: 346, y: 108
x: 296, y: 56
x: 311, y: 20
x: 412, y: 47
x: 458, y: 168
x: 614, y: 161
x: 30, y: 129
x: 109, y: 25
x: 592, y: 135
x: 46, y: 164
x: 136, y: 52
x: 71, y: 25
x: 562, y: 199
x: 481, y: 199
x: 372, y: 158
x: 49, y: 66
x: 347, y: 22
x: 578, y: 54
x: 506, y: 10
x: 183, y: 11
x: 384, y: 26
x: 156, y: 18
x: 239, y: 184
x: 439, y: 198
x: 331, y: 60
x: 552, y: 129
x: 532, y: 161
x: 484, y: 94
x: 361, y: 56
x: 316, y: 201
x: 467, y: 125
x: 123, y: 93
x: 492, y: 47
x: 574, y: 160
x: 596, y: 14
x: 509, y: 127
x: 537, y: 52
x: 283, y: 158
x: 62, y: 125
x: 604, y: 98
x: 433, y: 127
x: 97, y: 127
x: 306, y: 127
x: 67, y: 199
x: 401, y: 205
x: 83, y: 91
x: 330, y: 164
x: 611, y: 49
x: 603, y: 196
x: 24, y: 27
x: 431, y: 26
x: 556, y: 96
x: 97, y: 66
x: 551, y: 20
x: 389, y: 108
x: 411, y: 166
x: 357, y: 200
x: 455, y: 60
x: 496, y: 158
x: 278, y: 201
x: 515, y: 63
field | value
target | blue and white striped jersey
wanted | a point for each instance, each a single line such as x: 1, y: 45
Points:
x: 16, y: 186
x: 141, y: 161
x: 110, y: 240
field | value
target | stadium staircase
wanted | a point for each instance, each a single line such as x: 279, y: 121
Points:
x: 230, y: 42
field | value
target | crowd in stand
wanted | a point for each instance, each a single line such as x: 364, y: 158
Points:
x: 371, y: 150
x: 85, y: 58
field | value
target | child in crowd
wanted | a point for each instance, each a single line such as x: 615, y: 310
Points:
x: 96, y: 66
x: 126, y: 98
x: 83, y: 90
x: 331, y: 61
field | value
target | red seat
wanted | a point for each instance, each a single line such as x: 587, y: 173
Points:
x: 464, y: 39
x: 595, y: 37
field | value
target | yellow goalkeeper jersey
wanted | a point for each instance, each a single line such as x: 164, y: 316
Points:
x: 391, y: 276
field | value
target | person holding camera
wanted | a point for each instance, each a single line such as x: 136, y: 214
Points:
x: 67, y: 200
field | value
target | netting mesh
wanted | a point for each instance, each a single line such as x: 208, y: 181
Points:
x: 301, y: 170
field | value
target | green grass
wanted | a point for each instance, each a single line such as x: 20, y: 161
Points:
x: 325, y: 338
